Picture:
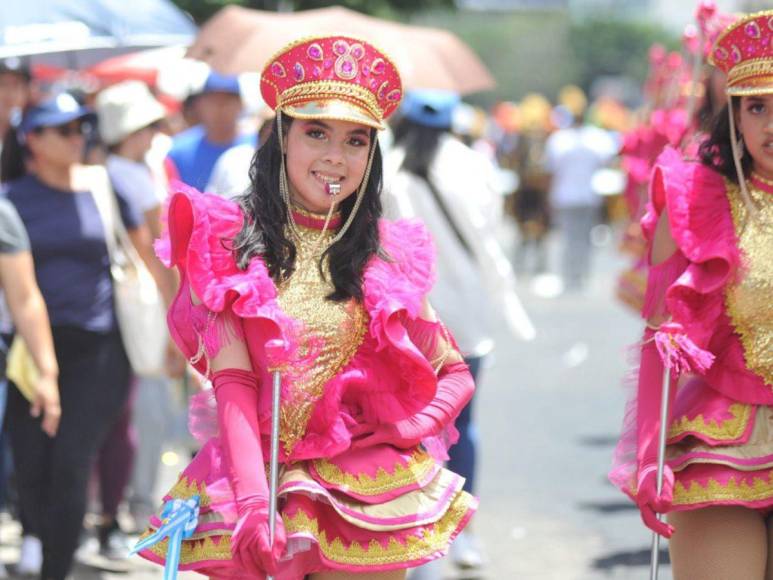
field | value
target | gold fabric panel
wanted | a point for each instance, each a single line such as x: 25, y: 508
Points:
x: 340, y: 325
x: 749, y: 302
x: 729, y: 429
x: 419, y: 465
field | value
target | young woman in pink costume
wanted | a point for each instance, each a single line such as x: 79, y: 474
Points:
x: 710, y: 320
x: 303, y: 277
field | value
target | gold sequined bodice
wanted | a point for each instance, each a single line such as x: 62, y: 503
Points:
x: 340, y: 326
x: 750, y: 299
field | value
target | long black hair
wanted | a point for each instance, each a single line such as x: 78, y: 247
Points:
x: 13, y: 159
x: 717, y: 151
x: 264, y: 230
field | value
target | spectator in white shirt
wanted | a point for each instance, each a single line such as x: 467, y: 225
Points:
x: 573, y: 155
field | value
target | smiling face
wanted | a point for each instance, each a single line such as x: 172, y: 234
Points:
x: 755, y: 122
x: 321, y: 152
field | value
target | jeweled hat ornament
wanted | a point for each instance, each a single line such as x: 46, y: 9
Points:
x: 744, y: 52
x: 331, y: 77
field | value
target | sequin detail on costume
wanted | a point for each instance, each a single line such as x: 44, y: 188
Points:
x: 336, y: 328
x: 749, y: 303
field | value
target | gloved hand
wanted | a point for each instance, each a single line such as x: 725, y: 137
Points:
x: 237, y: 403
x: 250, y: 543
x: 454, y: 391
x: 648, y: 402
x: 650, y: 503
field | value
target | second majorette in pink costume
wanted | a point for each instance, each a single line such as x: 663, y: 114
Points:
x: 303, y: 277
x: 709, y: 307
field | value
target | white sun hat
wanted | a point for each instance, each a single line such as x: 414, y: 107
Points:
x: 125, y: 108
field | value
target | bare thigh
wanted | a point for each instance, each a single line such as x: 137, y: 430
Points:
x: 393, y: 575
x: 769, y: 571
x: 721, y: 543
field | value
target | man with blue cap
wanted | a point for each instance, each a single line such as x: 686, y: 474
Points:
x: 195, y: 150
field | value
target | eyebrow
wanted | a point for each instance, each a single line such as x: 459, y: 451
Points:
x: 318, y: 123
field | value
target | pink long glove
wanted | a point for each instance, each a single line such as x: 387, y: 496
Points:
x: 454, y: 391
x: 649, y: 396
x: 237, y: 403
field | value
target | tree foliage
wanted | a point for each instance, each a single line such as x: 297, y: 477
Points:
x: 615, y: 47
x: 201, y: 10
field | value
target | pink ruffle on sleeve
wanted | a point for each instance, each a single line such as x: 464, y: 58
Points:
x: 396, y: 287
x: 200, y: 232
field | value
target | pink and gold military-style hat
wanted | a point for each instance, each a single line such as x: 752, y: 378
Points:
x: 332, y: 77
x: 744, y: 52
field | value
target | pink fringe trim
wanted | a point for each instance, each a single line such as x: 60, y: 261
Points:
x: 681, y: 354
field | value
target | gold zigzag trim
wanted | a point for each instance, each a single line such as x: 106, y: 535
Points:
x: 419, y: 465
x: 731, y: 428
x: 694, y: 492
x: 193, y: 551
x: 186, y: 488
x: 432, y: 539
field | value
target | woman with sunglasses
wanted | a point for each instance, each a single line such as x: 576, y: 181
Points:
x: 55, y: 196
x: 304, y: 278
x: 710, y: 319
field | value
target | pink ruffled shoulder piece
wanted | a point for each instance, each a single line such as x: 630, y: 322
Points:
x: 405, y: 277
x: 702, y: 227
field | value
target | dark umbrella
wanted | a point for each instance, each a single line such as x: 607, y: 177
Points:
x: 75, y: 34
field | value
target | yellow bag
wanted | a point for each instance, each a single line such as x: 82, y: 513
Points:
x: 21, y: 369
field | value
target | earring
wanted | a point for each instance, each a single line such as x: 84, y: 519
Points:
x: 741, y: 146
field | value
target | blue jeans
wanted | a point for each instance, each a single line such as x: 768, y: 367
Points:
x: 462, y: 456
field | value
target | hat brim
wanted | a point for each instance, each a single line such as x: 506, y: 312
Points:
x: 113, y: 131
x: 60, y: 118
x: 334, y: 110
x: 762, y: 85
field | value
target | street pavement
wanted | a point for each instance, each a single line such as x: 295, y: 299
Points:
x: 548, y: 413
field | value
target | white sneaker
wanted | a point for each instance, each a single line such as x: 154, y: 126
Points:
x: 31, y: 556
x: 465, y: 552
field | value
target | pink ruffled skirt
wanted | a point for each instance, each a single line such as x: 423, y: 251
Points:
x: 363, y: 511
x: 721, y: 450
